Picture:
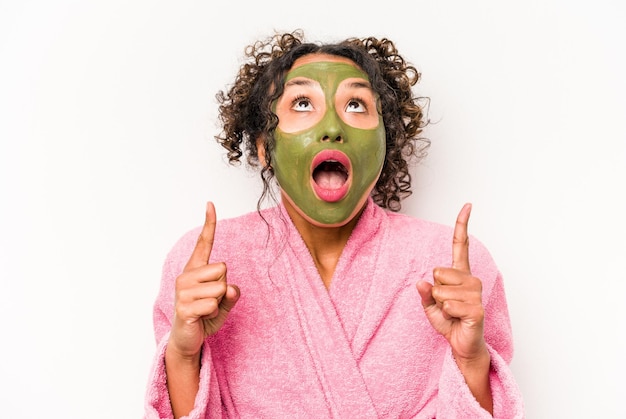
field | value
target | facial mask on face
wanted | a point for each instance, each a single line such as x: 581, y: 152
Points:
x: 329, y: 161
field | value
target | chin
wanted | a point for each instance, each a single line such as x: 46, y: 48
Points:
x: 330, y: 225
x: 339, y: 222
x: 342, y: 221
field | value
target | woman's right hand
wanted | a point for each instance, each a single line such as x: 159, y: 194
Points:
x: 203, y: 296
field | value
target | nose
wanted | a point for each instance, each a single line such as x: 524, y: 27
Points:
x: 329, y: 139
x: 332, y: 131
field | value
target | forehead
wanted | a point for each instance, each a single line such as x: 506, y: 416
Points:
x: 320, y: 57
x: 319, y: 66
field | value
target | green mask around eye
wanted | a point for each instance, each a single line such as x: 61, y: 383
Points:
x: 329, y: 169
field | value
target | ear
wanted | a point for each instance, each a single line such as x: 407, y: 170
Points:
x: 260, y: 151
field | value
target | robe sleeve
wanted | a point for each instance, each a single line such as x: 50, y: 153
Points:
x: 455, y: 399
x: 207, y: 404
x: 157, y: 400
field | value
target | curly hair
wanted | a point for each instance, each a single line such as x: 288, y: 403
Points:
x: 245, y: 110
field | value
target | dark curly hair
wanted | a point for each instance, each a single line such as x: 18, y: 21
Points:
x: 246, y: 115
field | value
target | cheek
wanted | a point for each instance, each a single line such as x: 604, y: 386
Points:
x: 289, y: 156
x: 298, y: 121
x: 295, y: 146
x: 370, y: 145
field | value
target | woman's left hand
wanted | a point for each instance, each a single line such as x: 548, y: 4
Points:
x: 453, y: 304
x: 454, y: 308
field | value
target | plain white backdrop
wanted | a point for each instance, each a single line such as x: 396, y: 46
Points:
x: 107, y: 118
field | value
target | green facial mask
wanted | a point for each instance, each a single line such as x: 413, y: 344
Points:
x: 318, y: 195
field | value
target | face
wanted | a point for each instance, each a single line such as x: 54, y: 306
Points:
x: 330, y: 140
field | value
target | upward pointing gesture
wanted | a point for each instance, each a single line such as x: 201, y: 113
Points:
x: 453, y: 303
x: 203, y: 301
x: 203, y: 297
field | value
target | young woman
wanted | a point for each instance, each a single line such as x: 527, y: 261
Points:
x: 330, y: 303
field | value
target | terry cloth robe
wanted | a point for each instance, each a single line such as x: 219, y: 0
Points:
x: 364, y: 348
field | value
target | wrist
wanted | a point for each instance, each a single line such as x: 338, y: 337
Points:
x: 475, y: 371
x: 183, y: 379
x: 477, y: 364
x: 173, y: 355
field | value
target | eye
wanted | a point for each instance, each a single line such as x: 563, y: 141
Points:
x: 356, y: 105
x: 301, y: 104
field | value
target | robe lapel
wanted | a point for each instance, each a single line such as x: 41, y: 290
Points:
x: 351, y: 288
x: 327, y: 345
x: 361, y: 290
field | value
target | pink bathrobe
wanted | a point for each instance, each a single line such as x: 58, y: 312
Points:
x: 362, y: 349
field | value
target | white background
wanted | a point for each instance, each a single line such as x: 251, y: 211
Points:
x: 107, y: 117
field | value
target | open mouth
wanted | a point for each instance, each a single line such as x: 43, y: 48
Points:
x: 330, y: 175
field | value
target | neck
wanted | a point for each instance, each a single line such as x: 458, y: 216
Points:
x: 324, y: 243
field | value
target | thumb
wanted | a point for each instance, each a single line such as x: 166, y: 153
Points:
x: 230, y: 298
x: 424, y: 289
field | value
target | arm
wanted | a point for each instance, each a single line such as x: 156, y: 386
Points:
x: 476, y: 374
x: 183, y: 380
x: 454, y: 308
x: 202, y: 301
x: 473, y: 371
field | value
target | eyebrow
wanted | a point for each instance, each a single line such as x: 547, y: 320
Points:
x: 299, y: 82
x: 307, y: 82
x: 359, y: 85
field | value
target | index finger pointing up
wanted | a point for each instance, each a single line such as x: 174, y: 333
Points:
x: 460, y: 240
x: 204, y: 245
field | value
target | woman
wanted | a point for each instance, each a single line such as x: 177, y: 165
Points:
x: 330, y: 303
